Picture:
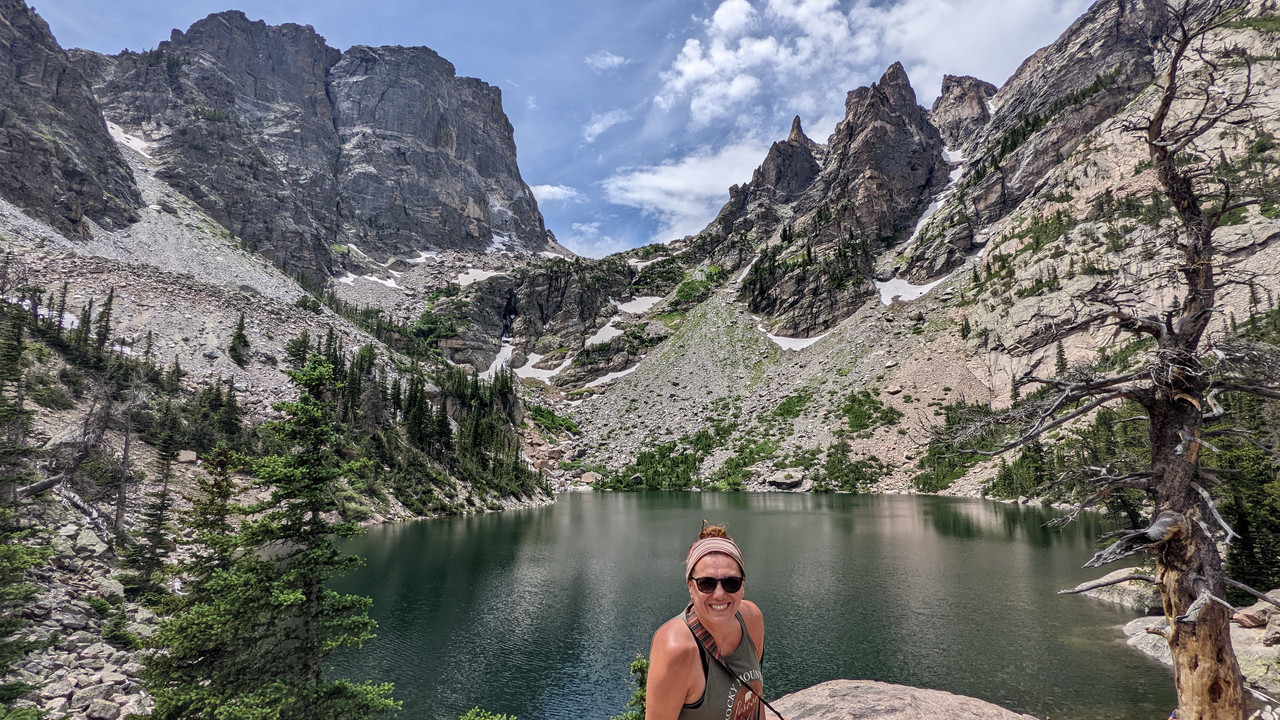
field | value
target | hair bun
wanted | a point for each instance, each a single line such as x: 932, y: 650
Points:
x: 709, y: 531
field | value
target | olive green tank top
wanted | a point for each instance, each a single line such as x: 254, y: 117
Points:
x: 725, y: 698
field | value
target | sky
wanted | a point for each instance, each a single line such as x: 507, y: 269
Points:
x: 632, y: 119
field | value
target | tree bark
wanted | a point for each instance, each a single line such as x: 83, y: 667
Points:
x: 1205, y: 671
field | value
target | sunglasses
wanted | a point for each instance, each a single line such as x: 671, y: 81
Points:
x: 707, y: 585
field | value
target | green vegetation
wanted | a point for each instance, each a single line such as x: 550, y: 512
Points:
x: 698, y: 287
x: 545, y: 418
x: 478, y: 714
x: 239, y: 343
x: 634, y: 709
x: 865, y: 412
x: 1028, y: 125
x: 253, y: 632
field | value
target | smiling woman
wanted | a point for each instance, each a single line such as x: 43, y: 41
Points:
x: 705, y: 663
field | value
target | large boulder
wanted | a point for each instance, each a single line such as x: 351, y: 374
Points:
x: 867, y: 699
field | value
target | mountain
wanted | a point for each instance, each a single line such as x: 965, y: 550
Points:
x: 56, y: 159
x: 296, y: 148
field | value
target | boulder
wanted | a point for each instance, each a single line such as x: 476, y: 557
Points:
x: 110, y: 589
x: 868, y: 699
x: 102, y: 710
x: 1140, y: 596
x: 784, y: 480
x: 591, y: 478
x: 88, y: 543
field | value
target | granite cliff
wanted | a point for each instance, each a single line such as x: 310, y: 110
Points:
x: 296, y: 148
x: 56, y: 159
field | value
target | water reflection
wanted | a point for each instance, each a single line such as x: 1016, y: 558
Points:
x: 537, y: 612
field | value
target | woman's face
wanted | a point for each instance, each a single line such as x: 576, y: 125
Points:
x: 717, y: 605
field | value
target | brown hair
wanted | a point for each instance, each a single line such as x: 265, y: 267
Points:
x: 709, y: 531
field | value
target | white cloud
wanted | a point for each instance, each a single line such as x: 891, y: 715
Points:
x: 733, y: 17
x: 601, y: 122
x: 557, y: 193
x: 684, y: 195
x: 605, y: 60
x: 771, y: 59
x: 585, y: 239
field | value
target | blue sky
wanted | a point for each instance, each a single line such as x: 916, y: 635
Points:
x: 632, y: 119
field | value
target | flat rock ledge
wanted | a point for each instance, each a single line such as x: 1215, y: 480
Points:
x: 859, y: 699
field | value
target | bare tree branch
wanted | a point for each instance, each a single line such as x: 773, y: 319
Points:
x: 1086, y: 587
x: 1241, y: 586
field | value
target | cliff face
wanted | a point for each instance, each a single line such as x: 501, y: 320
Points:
x: 294, y: 146
x: 57, y: 160
x: 442, y: 141
x: 1057, y: 97
x: 962, y: 110
x: 819, y: 214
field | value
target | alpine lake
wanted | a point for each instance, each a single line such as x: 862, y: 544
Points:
x: 538, y: 612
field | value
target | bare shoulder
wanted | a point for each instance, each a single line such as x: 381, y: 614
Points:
x: 674, y: 641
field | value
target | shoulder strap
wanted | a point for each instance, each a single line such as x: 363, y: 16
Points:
x: 703, y: 637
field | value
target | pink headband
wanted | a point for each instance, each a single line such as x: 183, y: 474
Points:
x: 705, y: 547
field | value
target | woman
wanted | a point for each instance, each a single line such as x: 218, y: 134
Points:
x: 701, y: 658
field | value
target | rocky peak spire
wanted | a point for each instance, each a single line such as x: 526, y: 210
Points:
x: 797, y: 133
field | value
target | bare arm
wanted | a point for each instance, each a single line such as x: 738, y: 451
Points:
x: 672, y: 660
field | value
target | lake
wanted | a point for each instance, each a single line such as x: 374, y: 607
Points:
x: 538, y: 612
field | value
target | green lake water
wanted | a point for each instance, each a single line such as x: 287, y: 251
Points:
x: 537, y: 612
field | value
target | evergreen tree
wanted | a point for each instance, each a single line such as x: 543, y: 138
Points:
x: 15, y: 557
x: 60, y: 312
x: 147, y: 555
x: 239, y: 342
x: 102, y: 328
x: 253, y: 645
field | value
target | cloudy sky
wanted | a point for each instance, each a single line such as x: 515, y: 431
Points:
x: 633, y: 118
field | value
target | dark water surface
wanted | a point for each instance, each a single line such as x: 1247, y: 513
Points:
x: 537, y: 613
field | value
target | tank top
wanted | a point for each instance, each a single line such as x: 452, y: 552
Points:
x: 724, y: 697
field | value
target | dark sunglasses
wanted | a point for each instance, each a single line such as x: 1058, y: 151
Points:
x: 707, y: 585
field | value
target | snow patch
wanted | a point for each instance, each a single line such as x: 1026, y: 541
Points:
x: 475, y: 275
x: 942, y: 197
x: 637, y: 305
x: 790, y: 343
x: 529, y: 371
x: 348, y: 279
x: 642, y: 264
x: 612, y: 376
x: 903, y: 291
x: 389, y: 282
x: 133, y: 142
x: 358, y: 251
x: 952, y: 156
x: 500, y: 243
x: 603, y: 335
x: 423, y: 256
x: 499, y: 362
x: 549, y: 254
x: 743, y: 275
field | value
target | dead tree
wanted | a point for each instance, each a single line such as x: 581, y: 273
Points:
x: 1184, y: 376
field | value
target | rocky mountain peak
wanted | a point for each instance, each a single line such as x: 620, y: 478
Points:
x: 961, y: 110
x: 797, y: 135
x: 57, y: 160
x: 382, y: 148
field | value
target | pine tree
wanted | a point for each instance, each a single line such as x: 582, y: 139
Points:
x: 102, y: 328
x: 1060, y: 361
x: 253, y: 647
x: 15, y: 557
x: 239, y: 342
x: 146, y: 557
x: 61, y: 311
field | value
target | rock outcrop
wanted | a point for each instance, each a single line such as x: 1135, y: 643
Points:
x: 1057, y: 96
x: 871, y: 700
x: 962, y: 110
x: 818, y: 214
x: 57, y: 160
x: 295, y: 147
